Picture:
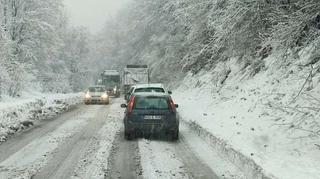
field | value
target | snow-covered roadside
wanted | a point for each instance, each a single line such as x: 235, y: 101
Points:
x: 248, y: 166
x: 189, y: 137
x: 18, y: 115
x: 190, y: 157
x: 253, y: 122
x: 36, y: 154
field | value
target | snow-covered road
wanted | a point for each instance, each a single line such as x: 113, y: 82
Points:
x: 88, y: 142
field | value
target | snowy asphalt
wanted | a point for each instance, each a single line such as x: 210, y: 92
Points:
x: 88, y: 142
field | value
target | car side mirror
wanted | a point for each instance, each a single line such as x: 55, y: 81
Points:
x: 127, y: 96
x: 176, y: 105
x: 124, y: 106
x: 170, y: 92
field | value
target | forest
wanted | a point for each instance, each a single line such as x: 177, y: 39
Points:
x: 40, y: 51
x: 193, y: 35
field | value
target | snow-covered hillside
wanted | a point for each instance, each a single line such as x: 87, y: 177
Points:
x: 263, y: 117
x: 184, y: 36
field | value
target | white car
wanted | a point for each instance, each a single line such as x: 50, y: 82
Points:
x: 140, y: 88
x: 96, y: 95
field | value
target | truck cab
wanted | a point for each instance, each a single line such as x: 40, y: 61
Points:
x: 111, y: 79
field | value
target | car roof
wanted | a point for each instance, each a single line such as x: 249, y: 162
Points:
x: 97, y: 86
x: 111, y: 72
x: 155, y: 94
x: 150, y: 85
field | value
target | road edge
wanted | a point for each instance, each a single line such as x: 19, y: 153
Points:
x: 26, y: 115
x: 249, y: 167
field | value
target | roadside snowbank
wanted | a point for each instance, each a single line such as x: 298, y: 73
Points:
x: 17, y: 115
x: 257, y: 123
x: 28, y: 161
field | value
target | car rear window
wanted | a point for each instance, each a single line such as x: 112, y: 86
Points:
x: 159, y: 90
x: 96, y: 89
x: 151, y: 102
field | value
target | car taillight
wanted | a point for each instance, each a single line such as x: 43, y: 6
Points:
x: 130, y: 105
x: 171, y: 104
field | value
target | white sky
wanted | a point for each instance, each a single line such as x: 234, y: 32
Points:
x: 92, y: 13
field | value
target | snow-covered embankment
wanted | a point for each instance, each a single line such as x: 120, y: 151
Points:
x: 19, y: 115
x: 258, y: 123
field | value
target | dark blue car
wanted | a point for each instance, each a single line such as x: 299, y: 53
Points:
x: 151, y: 113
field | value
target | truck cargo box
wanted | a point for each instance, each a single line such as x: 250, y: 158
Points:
x: 135, y: 74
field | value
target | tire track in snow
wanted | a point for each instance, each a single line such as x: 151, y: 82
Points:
x: 124, y: 159
x: 94, y: 162
x: 190, y: 157
x: 67, y: 156
x: 190, y: 142
x: 17, y: 142
x: 27, y: 161
x: 159, y: 160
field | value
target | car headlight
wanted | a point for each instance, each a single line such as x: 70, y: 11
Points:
x: 88, y: 95
x: 104, y: 96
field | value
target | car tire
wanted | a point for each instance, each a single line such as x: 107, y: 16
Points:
x: 128, y: 136
x: 147, y: 136
x: 175, y: 135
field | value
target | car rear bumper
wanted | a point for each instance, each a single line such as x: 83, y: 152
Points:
x: 151, y: 127
x: 96, y: 101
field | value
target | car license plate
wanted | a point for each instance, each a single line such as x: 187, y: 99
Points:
x: 152, y: 117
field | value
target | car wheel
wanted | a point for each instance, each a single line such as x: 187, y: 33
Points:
x: 147, y: 136
x: 175, y: 135
x: 128, y: 135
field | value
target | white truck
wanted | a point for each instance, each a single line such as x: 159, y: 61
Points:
x: 135, y: 74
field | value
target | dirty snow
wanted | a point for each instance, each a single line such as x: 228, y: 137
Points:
x: 95, y: 161
x: 153, y: 155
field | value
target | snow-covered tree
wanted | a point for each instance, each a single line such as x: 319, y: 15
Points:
x: 195, y: 35
x: 34, y: 35
x: 76, y: 57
